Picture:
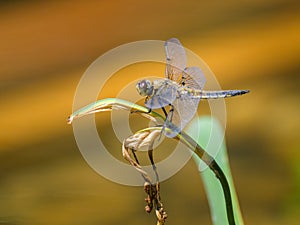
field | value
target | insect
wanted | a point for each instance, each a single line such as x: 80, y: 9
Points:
x: 181, y: 89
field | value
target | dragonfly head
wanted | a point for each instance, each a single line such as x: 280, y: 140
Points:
x: 144, y: 87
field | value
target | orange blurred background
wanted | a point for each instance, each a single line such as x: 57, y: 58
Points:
x: 46, y: 47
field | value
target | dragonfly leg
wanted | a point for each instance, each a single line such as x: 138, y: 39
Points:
x: 171, y: 111
x: 169, y: 117
x: 165, y: 112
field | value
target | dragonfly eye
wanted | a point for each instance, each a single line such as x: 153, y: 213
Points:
x: 144, y: 87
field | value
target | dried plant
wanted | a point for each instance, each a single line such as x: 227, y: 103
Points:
x: 146, y: 138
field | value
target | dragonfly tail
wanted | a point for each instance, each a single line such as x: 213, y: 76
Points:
x: 222, y: 94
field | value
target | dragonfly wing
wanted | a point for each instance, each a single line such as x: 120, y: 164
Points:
x: 193, y: 77
x: 185, y: 108
x: 176, y: 59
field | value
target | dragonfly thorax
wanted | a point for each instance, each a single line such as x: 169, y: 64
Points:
x: 145, y: 87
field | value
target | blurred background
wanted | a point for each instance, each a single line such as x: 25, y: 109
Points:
x: 47, y: 45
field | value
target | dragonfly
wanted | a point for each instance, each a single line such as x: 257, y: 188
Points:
x: 181, y: 89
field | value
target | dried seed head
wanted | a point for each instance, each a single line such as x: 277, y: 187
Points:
x: 161, y: 215
x: 148, y: 208
x: 147, y: 187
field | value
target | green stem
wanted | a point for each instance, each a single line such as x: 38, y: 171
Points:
x: 216, y: 169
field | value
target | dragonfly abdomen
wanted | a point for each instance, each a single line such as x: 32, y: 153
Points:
x: 219, y: 94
